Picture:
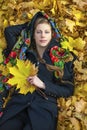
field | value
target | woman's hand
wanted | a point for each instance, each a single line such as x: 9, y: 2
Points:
x: 34, y: 80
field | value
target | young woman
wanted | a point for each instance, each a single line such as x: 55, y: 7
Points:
x: 39, y: 110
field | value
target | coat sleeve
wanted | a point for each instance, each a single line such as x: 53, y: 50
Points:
x: 11, y: 34
x: 62, y: 89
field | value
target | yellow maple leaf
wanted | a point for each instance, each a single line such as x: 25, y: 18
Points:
x: 79, y: 17
x: 77, y: 14
x: 70, y: 24
x: 21, y: 72
x: 79, y: 43
x: 69, y: 44
x: 73, y: 44
x: 66, y: 45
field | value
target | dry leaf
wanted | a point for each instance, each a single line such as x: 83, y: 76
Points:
x: 80, y: 105
x: 70, y: 24
x: 75, y: 123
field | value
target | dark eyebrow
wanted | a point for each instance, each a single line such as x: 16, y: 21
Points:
x: 41, y: 30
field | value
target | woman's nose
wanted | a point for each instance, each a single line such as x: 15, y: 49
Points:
x: 42, y: 34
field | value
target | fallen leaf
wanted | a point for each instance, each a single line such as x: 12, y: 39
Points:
x: 70, y: 24
x: 75, y: 123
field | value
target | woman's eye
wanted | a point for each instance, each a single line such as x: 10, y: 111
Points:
x: 47, y: 32
x: 42, y: 32
x: 38, y: 31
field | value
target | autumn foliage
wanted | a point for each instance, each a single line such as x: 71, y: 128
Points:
x: 71, y: 18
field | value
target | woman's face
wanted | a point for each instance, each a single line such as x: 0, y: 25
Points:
x: 43, y: 34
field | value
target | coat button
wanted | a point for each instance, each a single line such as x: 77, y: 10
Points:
x: 28, y: 103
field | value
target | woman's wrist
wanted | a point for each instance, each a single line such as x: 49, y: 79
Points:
x: 43, y: 85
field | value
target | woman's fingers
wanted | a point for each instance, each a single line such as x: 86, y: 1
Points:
x: 34, y: 80
x: 30, y: 80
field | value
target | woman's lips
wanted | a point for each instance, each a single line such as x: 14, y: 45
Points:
x: 43, y: 41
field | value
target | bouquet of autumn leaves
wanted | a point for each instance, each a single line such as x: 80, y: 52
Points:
x: 20, y: 72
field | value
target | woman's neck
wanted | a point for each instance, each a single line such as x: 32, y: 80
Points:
x: 40, y: 51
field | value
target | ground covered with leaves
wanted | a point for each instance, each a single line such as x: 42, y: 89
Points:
x: 71, y: 18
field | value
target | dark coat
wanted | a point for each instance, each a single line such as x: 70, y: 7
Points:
x: 42, y: 108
